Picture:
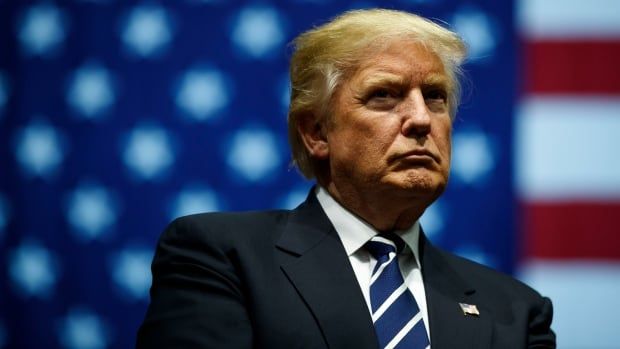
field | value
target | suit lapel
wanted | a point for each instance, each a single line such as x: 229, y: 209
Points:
x: 322, y: 274
x: 324, y: 278
x: 450, y: 328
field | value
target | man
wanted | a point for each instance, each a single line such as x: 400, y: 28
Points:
x: 374, y: 93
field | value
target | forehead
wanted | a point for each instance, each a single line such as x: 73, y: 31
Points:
x: 402, y: 61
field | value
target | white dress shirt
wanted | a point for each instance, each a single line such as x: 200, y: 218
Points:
x: 354, y: 233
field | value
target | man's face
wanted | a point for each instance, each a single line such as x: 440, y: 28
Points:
x: 390, y: 128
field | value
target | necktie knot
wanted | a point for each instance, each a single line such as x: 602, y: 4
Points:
x: 381, y: 246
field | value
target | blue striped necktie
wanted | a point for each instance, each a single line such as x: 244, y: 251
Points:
x: 395, y: 313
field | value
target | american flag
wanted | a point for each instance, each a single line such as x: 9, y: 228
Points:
x: 469, y: 309
x: 567, y: 162
x: 116, y: 117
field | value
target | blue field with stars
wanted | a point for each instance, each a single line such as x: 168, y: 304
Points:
x: 116, y: 117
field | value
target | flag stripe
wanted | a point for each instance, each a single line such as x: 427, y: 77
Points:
x: 578, y: 230
x: 569, y: 18
x: 566, y: 162
x: 578, y: 66
x: 567, y: 148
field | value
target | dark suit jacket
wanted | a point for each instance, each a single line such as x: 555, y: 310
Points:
x: 281, y: 279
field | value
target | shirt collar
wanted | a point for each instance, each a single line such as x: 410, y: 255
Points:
x: 355, y: 232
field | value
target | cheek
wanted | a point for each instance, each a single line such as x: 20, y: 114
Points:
x: 366, y: 138
x: 447, y: 145
x: 443, y: 139
x: 360, y: 151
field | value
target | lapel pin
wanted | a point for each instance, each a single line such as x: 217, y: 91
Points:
x: 469, y: 309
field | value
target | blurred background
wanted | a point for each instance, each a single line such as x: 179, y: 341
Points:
x: 118, y: 116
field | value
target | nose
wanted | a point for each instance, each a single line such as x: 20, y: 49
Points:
x: 416, y: 116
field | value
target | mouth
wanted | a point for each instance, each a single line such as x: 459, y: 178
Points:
x: 416, y: 157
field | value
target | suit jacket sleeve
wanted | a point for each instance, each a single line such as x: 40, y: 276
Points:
x: 196, y: 296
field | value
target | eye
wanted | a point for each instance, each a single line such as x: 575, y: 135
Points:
x: 436, y: 100
x: 382, y: 93
x: 382, y: 98
x: 436, y: 95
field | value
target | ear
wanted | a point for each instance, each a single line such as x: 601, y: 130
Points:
x: 314, y: 136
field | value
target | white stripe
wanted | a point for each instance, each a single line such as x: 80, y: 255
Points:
x: 377, y: 273
x: 403, y: 332
x: 568, y: 148
x: 540, y: 19
x: 388, y: 302
x: 585, y: 298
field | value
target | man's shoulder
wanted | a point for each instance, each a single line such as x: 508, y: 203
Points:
x: 488, y: 280
x: 232, y: 219
x: 227, y: 227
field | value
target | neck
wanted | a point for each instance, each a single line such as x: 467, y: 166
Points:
x: 385, y: 212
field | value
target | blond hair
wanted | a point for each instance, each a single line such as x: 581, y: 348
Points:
x: 324, y: 55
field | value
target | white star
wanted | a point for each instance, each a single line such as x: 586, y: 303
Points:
x: 433, y: 219
x: 472, y: 156
x: 148, y: 152
x: 90, y: 91
x: 33, y: 270
x: 147, y: 31
x: 91, y: 211
x: 202, y: 93
x: 131, y: 271
x: 478, y: 30
x: 253, y: 154
x: 194, y: 200
x: 258, y: 31
x: 83, y: 329
x: 4, y: 92
x: 39, y: 149
x: 42, y: 29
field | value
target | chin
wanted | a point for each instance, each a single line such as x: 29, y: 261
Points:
x: 423, y: 185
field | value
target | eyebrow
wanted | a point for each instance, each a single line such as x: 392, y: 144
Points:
x: 387, y: 79
x: 437, y: 80
x: 382, y: 79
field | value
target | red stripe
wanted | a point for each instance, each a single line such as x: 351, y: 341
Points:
x: 572, y: 230
x: 572, y: 67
